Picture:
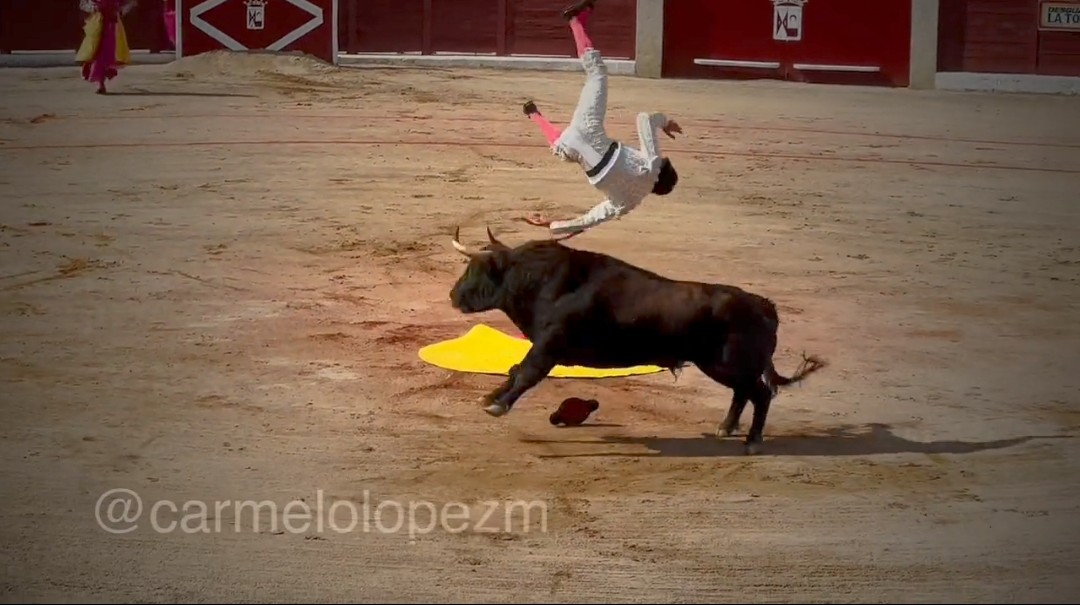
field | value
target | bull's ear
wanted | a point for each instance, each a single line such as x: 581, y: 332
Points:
x: 496, y: 263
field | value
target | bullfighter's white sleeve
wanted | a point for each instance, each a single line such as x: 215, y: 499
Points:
x: 647, y: 125
x: 604, y: 211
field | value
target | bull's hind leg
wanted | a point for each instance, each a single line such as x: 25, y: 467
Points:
x: 739, y: 366
x: 730, y: 425
x: 735, y: 379
x: 761, y: 396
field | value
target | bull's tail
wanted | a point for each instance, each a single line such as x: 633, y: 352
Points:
x: 808, y: 366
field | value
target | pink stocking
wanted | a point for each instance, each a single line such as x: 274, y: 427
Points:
x: 581, y: 38
x: 551, y: 133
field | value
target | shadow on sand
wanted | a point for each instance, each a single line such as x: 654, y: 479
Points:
x: 147, y: 93
x: 847, y: 440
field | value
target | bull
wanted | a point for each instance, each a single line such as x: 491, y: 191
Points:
x: 590, y: 309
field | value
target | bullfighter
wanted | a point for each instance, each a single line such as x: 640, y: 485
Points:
x: 624, y: 174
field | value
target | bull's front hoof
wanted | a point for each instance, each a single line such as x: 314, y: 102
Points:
x: 754, y: 448
x: 495, y: 409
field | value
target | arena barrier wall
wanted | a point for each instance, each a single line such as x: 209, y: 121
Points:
x: 277, y: 26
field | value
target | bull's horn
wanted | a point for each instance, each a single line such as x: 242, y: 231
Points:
x: 458, y: 245
x: 461, y: 247
x: 491, y: 238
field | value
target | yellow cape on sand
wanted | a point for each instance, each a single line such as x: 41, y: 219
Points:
x: 92, y: 37
x: 485, y: 350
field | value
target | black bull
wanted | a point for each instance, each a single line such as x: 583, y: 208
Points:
x: 589, y: 309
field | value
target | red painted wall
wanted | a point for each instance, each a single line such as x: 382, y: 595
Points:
x: 469, y: 26
x: 536, y: 27
x: 844, y: 32
x: 504, y: 27
x: 57, y: 26
x: 501, y: 27
x: 1003, y: 36
x: 988, y: 35
x: 380, y: 25
x: 1059, y: 54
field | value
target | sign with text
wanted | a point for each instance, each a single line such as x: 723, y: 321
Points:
x: 1059, y: 16
x: 308, y: 26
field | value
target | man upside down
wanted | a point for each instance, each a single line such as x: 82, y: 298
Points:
x: 623, y: 174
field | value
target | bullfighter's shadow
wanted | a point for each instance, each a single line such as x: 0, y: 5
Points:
x: 590, y: 425
x: 148, y: 93
x: 847, y: 440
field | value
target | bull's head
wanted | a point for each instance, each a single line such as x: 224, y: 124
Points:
x: 479, y: 288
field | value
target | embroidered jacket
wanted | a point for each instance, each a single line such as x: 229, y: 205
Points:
x: 626, y: 180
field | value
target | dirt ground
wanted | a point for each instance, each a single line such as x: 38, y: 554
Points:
x: 214, y: 284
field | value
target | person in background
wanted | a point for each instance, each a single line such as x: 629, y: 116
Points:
x: 169, y: 13
x: 104, y: 48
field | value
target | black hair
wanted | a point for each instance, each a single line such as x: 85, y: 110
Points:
x: 666, y: 180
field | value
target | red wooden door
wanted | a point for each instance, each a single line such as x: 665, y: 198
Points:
x: 837, y: 41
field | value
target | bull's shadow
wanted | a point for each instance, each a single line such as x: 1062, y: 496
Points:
x: 847, y: 440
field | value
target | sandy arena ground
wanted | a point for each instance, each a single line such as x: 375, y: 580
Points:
x: 215, y: 283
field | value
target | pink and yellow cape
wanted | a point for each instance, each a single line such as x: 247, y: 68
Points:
x: 104, y: 48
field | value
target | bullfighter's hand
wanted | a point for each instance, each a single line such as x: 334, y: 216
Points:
x: 672, y: 127
x: 537, y: 220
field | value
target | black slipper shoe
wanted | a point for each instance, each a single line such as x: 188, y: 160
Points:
x: 572, y: 11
